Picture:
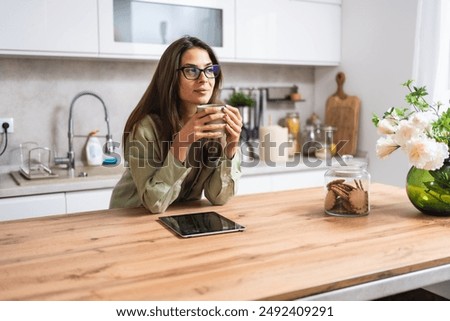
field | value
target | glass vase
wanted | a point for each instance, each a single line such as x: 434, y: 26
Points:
x: 429, y: 191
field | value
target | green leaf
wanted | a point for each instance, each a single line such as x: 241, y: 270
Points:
x: 441, y: 128
x: 408, y: 83
x: 375, y: 120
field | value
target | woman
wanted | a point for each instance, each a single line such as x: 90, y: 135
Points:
x: 172, y: 152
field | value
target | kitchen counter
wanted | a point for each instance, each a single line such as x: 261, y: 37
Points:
x: 12, y: 185
x: 290, y: 250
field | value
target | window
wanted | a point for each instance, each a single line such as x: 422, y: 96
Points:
x: 432, y: 48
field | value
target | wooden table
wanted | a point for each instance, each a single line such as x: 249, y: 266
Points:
x: 290, y: 250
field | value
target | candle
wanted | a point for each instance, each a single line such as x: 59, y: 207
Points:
x: 273, y: 144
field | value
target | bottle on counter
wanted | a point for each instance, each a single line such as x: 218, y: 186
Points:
x: 326, y: 147
x: 347, y: 188
x: 293, y: 125
x: 312, y: 136
x: 309, y: 141
x: 94, y: 152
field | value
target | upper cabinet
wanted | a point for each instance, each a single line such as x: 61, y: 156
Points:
x: 297, y: 32
x: 49, y: 27
x: 288, y: 31
x: 145, y: 28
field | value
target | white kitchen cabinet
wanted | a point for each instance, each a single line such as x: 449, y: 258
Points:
x: 302, y: 32
x: 145, y: 28
x: 89, y: 200
x: 280, y: 181
x: 304, y: 179
x: 254, y: 184
x: 288, y: 31
x: 15, y: 208
x: 49, y: 27
x: 20, y: 207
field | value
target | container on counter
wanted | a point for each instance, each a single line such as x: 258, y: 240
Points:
x: 94, y: 151
x: 347, y: 185
x: 309, y: 141
x: 326, y: 147
x: 273, y: 144
x: 293, y: 125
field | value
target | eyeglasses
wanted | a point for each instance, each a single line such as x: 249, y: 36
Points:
x: 193, y: 73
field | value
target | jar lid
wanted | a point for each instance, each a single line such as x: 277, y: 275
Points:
x: 347, y: 161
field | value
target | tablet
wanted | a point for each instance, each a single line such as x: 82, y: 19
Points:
x: 200, y: 224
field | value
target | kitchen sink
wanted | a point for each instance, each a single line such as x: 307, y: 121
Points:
x: 63, y: 176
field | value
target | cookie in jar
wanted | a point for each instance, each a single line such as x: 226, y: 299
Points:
x: 347, y: 185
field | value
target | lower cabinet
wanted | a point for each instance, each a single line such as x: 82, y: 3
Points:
x: 263, y: 183
x: 16, y: 208
x: 83, y: 201
x: 254, y: 184
x: 304, y: 179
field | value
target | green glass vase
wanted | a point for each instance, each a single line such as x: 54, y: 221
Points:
x: 429, y: 191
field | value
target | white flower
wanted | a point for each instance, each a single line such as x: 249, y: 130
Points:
x: 423, y: 120
x: 426, y: 153
x: 387, y: 126
x: 438, y: 160
x: 405, y: 132
x: 385, y: 146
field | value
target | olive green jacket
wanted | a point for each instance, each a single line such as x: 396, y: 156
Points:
x: 156, y: 181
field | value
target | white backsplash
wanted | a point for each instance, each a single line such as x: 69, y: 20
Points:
x: 37, y: 93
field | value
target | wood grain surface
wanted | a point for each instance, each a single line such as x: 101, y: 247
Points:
x: 290, y: 249
x: 342, y: 112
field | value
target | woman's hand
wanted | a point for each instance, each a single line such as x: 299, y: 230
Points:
x: 233, y: 128
x: 200, y: 125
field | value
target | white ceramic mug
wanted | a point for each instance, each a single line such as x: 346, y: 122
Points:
x: 216, y: 121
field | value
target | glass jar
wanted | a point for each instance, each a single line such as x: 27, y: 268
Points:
x: 309, y: 141
x: 327, y: 147
x: 293, y: 126
x: 347, y: 185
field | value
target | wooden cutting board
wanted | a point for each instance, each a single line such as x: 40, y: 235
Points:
x: 342, y: 112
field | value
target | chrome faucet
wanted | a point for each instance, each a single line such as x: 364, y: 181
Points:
x: 108, y: 147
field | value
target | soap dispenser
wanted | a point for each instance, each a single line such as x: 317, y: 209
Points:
x: 94, y: 152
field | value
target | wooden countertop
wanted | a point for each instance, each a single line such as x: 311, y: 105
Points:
x: 290, y: 249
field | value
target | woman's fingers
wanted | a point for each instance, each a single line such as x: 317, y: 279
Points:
x: 233, y: 120
x: 233, y: 114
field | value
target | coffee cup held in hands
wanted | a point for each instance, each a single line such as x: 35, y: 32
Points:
x: 220, y: 120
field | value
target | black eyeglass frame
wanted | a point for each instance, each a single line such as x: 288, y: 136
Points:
x: 216, y: 72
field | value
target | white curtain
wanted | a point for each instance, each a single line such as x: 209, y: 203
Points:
x: 432, y: 66
x: 432, y: 49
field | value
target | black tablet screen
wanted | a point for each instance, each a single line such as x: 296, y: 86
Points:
x: 197, y: 224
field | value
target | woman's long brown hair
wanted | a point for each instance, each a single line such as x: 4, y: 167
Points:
x: 161, y: 100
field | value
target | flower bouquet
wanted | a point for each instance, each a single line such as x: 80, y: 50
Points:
x: 422, y: 131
